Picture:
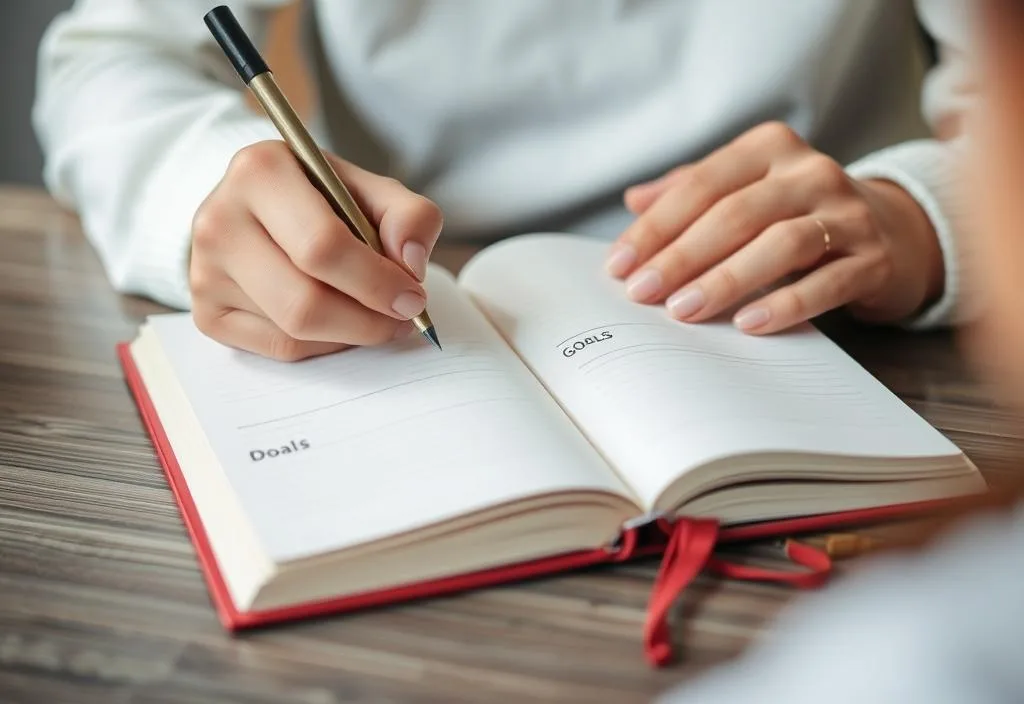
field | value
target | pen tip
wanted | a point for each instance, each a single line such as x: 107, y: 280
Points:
x: 431, y: 335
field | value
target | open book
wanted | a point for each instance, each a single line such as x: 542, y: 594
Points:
x: 558, y: 415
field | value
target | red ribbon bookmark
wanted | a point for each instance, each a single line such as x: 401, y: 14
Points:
x: 690, y: 545
x: 690, y: 550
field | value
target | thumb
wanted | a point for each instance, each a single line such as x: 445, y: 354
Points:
x: 408, y: 223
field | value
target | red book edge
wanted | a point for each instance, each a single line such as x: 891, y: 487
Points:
x: 233, y: 619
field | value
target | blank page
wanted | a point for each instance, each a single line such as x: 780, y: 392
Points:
x: 339, y: 450
x: 657, y: 396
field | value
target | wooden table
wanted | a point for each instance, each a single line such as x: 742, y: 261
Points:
x: 101, y: 599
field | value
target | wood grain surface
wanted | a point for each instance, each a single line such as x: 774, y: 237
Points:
x: 101, y: 599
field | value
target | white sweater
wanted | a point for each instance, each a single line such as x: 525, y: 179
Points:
x: 512, y: 116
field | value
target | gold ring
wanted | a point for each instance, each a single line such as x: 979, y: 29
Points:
x: 828, y: 238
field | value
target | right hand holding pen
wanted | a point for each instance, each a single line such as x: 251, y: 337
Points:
x: 274, y: 271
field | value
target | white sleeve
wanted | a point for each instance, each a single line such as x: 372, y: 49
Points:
x: 930, y: 169
x: 138, y: 113
x: 941, y: 627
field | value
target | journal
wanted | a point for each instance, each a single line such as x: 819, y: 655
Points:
x: 559, y: 419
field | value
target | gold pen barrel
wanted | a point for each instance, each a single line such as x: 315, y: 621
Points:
x: 321, y: 173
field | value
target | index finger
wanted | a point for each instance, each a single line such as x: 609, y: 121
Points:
x: 692, y: 192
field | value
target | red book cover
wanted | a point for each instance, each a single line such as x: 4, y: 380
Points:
x: 687, y: 547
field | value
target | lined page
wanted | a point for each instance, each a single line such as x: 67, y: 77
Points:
x: 657, y: 396
x: 339, y: 450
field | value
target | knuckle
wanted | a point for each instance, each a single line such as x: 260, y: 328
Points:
x: 826, y: 171
x: 209, y: 226
x: 429, y: 212
x: 725, y: 285
x: 420, y: 217
x: 207, y: 321
x: 283, y: 348
x: 321, y: 245
x: 259, y: 158
x: 201, y: 282
x: 777, y: 133
x: 645, y: 233
x: 792, y: 303
x: 735, y: 215
x: 301, y: 311
x: 696, y: 182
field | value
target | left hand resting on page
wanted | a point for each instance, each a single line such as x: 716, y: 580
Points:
x: 711, y: 233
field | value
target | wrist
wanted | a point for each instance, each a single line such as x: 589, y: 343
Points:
x: 918, y: 271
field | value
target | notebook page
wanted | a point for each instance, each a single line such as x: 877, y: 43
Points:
x: 657, y: 396
x: 339, y: 450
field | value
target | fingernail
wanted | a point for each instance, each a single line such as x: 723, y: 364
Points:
x: 685, y: 303
x: 415, y: 256
x: 644, y: 284
x: 621, y: 260
x: 409, y: 305
x: 402, y: 331
x: 751, y: 319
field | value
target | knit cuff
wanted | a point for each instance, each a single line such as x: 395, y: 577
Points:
x: 929, y: 172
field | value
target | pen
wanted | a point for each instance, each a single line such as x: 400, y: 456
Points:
x: 839, y: 546
x: 255, y: 73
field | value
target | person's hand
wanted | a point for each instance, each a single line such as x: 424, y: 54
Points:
x: 274, y: 271
x: 711, y: 234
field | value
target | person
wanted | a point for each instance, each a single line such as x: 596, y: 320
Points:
x: 727, y: 150
x: 942, y: 623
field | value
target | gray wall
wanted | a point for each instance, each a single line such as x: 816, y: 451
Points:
x: 21, y: 25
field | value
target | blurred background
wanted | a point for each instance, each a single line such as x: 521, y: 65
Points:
x: 22, y: 23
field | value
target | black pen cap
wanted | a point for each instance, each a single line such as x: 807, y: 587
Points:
x: 235, y: 43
